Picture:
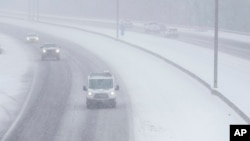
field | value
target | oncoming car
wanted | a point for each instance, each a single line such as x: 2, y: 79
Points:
x: 50, y: 51
x: 32, y: 37
x: 101, y: 88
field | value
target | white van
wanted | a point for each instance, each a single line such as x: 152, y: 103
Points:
x: 101, y: 88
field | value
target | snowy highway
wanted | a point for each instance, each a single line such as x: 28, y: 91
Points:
x: 56, y: 107
x: 156, y: 100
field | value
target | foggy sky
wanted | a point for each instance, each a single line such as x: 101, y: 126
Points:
x: 234, y: 14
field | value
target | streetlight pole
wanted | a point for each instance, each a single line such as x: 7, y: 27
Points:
x: 216, y: 26
x: 117, y: 19
x: 31, y: 10
x: 38, y: 9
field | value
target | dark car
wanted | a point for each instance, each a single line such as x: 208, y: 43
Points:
x: 50, y: 51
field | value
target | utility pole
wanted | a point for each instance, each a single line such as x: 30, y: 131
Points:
x: 37, y: 10
x: 117, y: 19
x: 216, y: 26
x: 31, y: 10
x: 34, y: 10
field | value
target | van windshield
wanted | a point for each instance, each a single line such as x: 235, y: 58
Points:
x: 101, y: 83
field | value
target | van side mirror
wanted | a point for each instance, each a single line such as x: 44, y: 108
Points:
x: 85, y: 88
x: 117, y: 87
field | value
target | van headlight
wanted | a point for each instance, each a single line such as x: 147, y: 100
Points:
x: 57, y: 50
x: 44, y: 50
x: 112, y: 93
x: 90, y: 93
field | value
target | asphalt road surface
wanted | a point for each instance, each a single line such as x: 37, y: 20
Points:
x: 56, y: 110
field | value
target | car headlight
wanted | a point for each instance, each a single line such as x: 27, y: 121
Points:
x: 89, y: 93
x: 27, y: 38
x: 112, y: 93
x: 58, y: 50
x: 37, y: 38
x: 44, y: 50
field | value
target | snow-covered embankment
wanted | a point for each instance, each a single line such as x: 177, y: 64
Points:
x: 15, y: 76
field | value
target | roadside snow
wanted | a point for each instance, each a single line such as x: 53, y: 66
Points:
x: 166, y: 104
x: 233, y: 73
x: 14, y: 80
x: 237, y: 36
x: 222, y: 35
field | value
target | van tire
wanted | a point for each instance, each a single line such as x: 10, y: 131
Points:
x: 89, y: 104
x: 113, y: 103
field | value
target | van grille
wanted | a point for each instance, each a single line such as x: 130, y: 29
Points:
x: 101, y: 95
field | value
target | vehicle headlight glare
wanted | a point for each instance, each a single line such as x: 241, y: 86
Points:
x: 89, y: 93
x: 112, y: 93
x: 44, y: 50
x: 58, y: 50
x: 28, y: 38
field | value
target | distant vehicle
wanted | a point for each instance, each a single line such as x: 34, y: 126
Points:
x: 32, y: 37
x: 127, y: 23
x: 101, y: 88
x: 171, y: 32
x: 50, y: 51
x: 154, y: 27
